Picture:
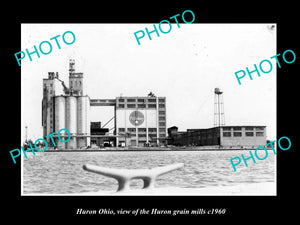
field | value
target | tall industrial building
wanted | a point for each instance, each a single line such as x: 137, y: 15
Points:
x: 64, y: 107
x: 138, y: 121
x: 141, y: 121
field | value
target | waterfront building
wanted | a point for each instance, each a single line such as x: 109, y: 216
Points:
x: 224, y: 136
x: 141, y: 121
x: 138, y: 121
x: 68, y: 108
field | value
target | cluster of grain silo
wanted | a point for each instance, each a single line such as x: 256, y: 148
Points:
x: 73, y: 113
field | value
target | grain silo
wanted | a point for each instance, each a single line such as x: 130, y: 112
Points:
x: 60, y: 120
x: 66, y: 108
x: 83, y: 121
x: 71, y: 121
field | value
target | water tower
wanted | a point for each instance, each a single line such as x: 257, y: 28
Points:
x: 219, y: 116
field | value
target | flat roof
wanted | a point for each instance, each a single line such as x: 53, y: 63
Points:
x: 245, y: 126
x: 136, y: 97
x: 200, y: 129
x: 226, y: 126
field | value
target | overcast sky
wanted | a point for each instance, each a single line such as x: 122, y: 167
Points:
x: 184, y: 66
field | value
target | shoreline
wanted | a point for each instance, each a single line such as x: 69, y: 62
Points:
x: 152, y: 149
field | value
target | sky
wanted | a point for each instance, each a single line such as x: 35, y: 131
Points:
x: 184, y: 66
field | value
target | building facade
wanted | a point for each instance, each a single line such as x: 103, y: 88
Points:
x: 243, y: 136
x: 138, y: 121
x: 141, y: 121
x: 224, y: 136
x: 51, y: 88
x: 68, y: 108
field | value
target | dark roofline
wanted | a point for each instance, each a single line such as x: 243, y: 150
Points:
x: 136, y: 97
x: 245, y: 126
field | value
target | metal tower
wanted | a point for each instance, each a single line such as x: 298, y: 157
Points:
x: 219, y: 115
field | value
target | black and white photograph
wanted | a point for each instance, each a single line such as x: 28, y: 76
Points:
x: 131, y: 113
x: 167, y: 116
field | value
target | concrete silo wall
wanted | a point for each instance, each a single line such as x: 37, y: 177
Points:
x: 72, y: 113
x: 83, y: 121
x: 60, y: 113
x: 71, y: 121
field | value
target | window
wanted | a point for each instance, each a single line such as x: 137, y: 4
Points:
x: 131, y: 130
x: 162, y: 118
x: 130, y: 100
x: 121, y: 105
x: 226, y: 134
x: 161, y: 112
x: 161, y: 100
x: 130, y: 105
x: 161, y: 105
x: 162, y: 135
x: 162, y: 124
x: 259, y: 134
x: 152, y: 129
x: 259, y: 128
x: 141, y: 129
x: 249, y: 134
x: 141, y: 100
x: 141, y: 106
x: 248, y: 128
x: 152, y: 106
x: 121, y: 99
x: 142, y: 135
x: 152, y: 136
x: 162, y: 130
x: 121, y: 130
x: 226, y: 128
x: 237, y: 128
x: 237, y: 134
x: 151, y: 99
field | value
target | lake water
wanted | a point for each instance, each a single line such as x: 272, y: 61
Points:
x: 62, y: 173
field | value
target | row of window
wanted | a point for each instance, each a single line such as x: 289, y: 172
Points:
x: 75, y: 82
x: 150, y: 106
x: 143, y: 100
x: 142, y: 130
x: 102, y: 101
x: 151, y: 136
x: 240, y: 128
x: 239, y: 134
x: 160, y: 123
